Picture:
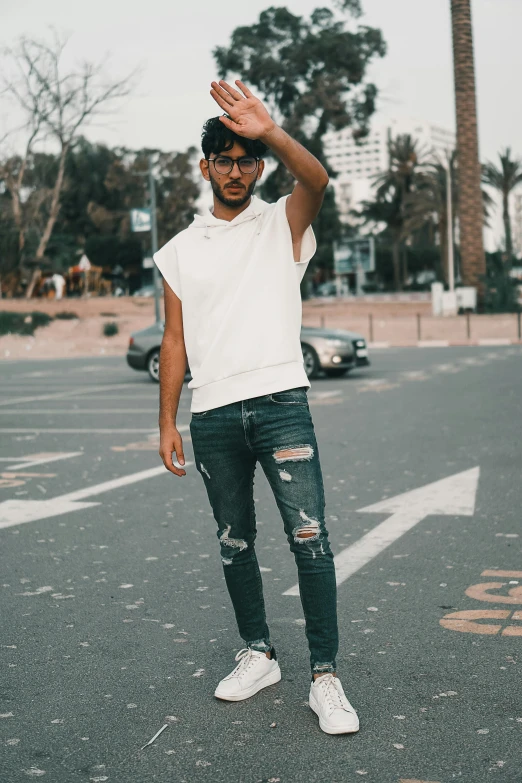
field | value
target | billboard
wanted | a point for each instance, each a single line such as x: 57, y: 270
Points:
x: 353, y: 254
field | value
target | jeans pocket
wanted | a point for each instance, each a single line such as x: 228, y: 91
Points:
x: 290, y: 397
x: 199, y: 415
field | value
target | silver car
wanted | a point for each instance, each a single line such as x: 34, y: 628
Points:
x: 332, y: 351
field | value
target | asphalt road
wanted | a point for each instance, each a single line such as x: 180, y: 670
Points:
x: 114, y: 612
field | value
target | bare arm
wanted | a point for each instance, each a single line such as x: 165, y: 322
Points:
x: 173, y: 362
x: 304, y: 203
x: 250, y: 118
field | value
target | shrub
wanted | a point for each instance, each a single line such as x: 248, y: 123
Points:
x: 66, y: 315
x: 22, y: 323
x: 110, y: 329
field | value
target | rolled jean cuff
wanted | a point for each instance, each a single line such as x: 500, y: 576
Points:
x: 260, y: 645
x: 324, y: 668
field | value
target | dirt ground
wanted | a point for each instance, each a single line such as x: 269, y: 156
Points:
x: 380, y: 321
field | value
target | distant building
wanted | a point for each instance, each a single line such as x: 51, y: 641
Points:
x: 516, y: 225
x: 358, y: 163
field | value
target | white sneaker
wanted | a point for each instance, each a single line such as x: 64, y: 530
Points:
x: 253, y: 673
x: 327, y: 700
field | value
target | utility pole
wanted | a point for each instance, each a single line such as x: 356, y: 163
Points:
x: 154, y: 240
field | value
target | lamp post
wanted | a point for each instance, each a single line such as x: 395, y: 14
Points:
x: 154, y: 240
x: 145, y: 219
x: 449, y: 207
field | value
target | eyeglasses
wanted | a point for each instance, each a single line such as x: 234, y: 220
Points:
x: 224, y: 165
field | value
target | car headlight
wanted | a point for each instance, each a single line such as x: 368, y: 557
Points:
x: 360, y: 343
x: 334, y: 342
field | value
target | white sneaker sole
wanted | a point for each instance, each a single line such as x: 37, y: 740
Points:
x: 269, y: 679
x: 330, y: 729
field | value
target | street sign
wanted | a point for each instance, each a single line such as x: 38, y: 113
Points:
x: 352, y: 255
x: 140, y: 220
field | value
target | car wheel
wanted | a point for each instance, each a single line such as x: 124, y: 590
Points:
x: 153, y: 364
x: 310, y: 361
x: 337, y: 372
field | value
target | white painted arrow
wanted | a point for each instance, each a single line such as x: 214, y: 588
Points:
x: 453, y: 496
x: 17, y: 512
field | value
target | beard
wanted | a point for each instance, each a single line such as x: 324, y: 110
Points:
x: 229, y: 200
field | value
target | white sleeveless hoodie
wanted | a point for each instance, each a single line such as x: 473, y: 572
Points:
x: 239, y: 287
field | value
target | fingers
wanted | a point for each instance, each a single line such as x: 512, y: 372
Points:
x: 223, y: 94
x: 244, y: 89
x: 219, y: 100
x: 167, y: 449
x: 233, y: 126
x: 234, y: 93
x: 178, y: 448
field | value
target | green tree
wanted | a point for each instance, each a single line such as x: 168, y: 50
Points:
x: 504, y: 179
x: 393, y: 195
x: 311, y: 73
x: 429, y: 202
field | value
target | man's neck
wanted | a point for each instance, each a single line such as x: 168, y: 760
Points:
x: 223, y: 212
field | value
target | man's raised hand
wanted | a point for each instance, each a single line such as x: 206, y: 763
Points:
x: 248, y: 116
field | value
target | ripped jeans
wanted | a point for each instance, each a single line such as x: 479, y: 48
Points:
x: 276, y: 430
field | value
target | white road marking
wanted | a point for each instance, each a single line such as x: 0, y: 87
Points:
x: 18, y: 512
x: 71, y: 393
x: 321, y: 395
x: 84, y: 431
x: 453, y: 496
x: 77, y: 411
x: 65, y: 431
x: 116, y: 398
x: 40, y: 459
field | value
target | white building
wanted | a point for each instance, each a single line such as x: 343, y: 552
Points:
x: 358, y: 163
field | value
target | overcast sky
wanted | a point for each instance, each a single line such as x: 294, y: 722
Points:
x: 172, y: 41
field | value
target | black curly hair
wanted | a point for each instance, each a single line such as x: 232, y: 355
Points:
x: 217, y: 138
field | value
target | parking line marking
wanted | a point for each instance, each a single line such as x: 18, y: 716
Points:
x: 66, y: 431
x: 78, y: 411
x: 39, y: 459
x: 85, y: 430
x: 71, y: 393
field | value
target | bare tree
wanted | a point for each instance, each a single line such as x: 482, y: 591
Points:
x: 56, y: 105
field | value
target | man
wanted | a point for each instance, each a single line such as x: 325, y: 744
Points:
x: 233, y: 307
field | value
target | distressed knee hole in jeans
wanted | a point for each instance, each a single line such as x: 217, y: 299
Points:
x: 234, y: 543
x: 294, y: 454
x: 309, y: 534
x: 204, y: 470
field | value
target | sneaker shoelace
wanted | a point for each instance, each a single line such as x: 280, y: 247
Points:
x: 331, y: 694
x: 246, y: 659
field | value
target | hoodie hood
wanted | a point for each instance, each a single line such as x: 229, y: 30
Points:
x: 206, y: 220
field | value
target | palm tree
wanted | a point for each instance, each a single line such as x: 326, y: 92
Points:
x: 470, y: 197
x: 393, y: 191
x: 504, y: 179
x: 429, y: 202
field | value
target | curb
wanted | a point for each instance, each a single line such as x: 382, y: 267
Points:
x: 486, y: 342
